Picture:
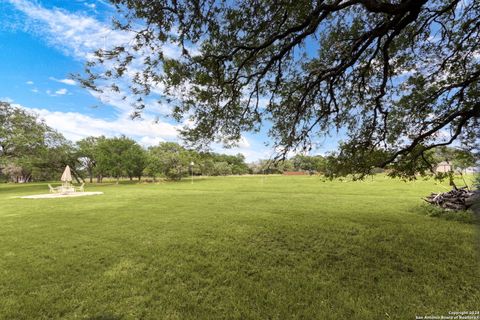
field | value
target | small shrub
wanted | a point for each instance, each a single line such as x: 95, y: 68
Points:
x: 467, y: 216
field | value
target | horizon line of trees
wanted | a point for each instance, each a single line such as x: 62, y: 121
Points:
x: 32, y: 151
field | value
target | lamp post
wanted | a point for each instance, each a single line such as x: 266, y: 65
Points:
x: 191, y: 170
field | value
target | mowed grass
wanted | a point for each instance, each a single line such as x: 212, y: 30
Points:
x: 235, y: 248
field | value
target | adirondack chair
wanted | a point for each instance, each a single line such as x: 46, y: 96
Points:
x: 81, y: 188
x: 52, y: 189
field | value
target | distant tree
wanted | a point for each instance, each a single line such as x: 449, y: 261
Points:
x: 86, y: 150
x: 236, y: 163
x: 464, y: 159
x: 153, y: 166
x: 31, y: 149
x: 286, y: 165
x: 14, y: 171
x: 271, y: 167
x: 117, y: 157
x: 310, y: 164
x: 21, y: 132
x: 22, y: 136
x: 172, y: 159
x: 51, y: 160
x: 207, y: 166
x: 222, y: 168
x: 459, y: 158
x: 135, y: 161
x: 320, y: 163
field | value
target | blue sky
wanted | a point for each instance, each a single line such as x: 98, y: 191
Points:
x: 43, y: 42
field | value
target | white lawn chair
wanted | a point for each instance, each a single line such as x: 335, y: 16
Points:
x: 52, y: 189
x: 81, y: 188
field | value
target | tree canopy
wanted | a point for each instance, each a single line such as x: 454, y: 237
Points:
x: 28, y: 147
x: 119, y: 156
x: 399, y: 76
x: 86, y: 153
x: 21, y: 133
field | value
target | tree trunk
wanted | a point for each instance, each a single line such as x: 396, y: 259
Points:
x: 76, y: 175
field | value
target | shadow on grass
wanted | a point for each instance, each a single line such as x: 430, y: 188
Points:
x: 467, y: 216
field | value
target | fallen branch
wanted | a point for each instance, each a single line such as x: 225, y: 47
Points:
x: 456, y: 199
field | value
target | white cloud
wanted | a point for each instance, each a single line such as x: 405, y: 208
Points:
x: 34, y: 90
x: 244, y: 143
x: 76, y: 34
x: 61, y: 92
x: 90, y: 5
x: 6, y: 99
x: 148, y: 141
x: 79, y: 36
x: 69, y: 82
x: 251, y: 154
x: 30, y: 82
x: 75, y: 126
x: 148, y: 132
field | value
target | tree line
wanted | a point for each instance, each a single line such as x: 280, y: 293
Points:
x: 32, y: 151
x: 123, y: 157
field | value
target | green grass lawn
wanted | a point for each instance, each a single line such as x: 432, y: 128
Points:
x: 235, y: 248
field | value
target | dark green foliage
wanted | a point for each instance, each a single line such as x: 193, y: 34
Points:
x: 86, y: 149
x: 51, y: 160
x: 170, y: 159
x: 118, y: 157
x: 29, y: 149
x: 271, y: 167
x: 174, y: 162
x: 221, y: 164
x: 400, y: 77
x: 308, y: 163
x: 20, y: 132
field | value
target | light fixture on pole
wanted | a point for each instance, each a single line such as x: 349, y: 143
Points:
x: 191, y: 169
